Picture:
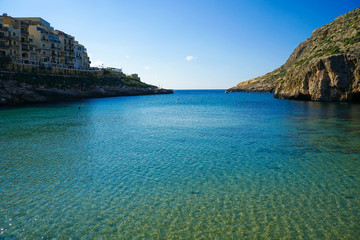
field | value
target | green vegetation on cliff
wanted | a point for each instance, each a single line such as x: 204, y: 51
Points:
x: 44, y: 77
x: 20, y: 84
x: 324, y: 67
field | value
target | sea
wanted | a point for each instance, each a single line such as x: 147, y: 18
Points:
x: 196, y: 164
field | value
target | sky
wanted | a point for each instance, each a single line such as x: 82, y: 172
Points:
x: 186, y: 44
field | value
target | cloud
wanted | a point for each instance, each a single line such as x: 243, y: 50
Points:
x: 127, y: 56
x: 147, y: 67
x: 190, y: 58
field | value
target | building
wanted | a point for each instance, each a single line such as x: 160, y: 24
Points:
x: 32, y: 40
x: 118, y: 70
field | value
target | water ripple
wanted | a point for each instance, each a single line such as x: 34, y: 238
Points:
x: 192, y: 165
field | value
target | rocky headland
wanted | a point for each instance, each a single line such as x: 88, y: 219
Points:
x: 31, y: 88
x: 325, y: 67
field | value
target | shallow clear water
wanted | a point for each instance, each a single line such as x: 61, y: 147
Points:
x: 195, y: 164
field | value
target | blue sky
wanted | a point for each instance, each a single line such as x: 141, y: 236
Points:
x: 186, y: 44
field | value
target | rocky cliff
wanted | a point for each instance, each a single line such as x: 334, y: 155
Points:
x: 325, y: 67
x: 19, y: 88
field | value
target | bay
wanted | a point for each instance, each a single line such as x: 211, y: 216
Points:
x: 194, y: 165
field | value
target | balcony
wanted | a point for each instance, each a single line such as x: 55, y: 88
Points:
x: 25, y: 49
x: 3, y: 28
x: 16, y: 46
x: 15, y: 55
x: 3, y: 37
x: 24, y: 33
x: 14, y: 37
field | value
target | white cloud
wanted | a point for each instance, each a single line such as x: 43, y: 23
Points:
x: 127, y: 56
x: 147, y: 67
x: 190, y: 58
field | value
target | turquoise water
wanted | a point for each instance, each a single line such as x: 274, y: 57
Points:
x: 192, y: 165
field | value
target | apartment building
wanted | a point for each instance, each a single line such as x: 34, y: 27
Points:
x: 4, y: 40
x: 32, y: 40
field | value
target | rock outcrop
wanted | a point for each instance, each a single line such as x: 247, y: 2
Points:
x: 15, y: 92
x: 325, y: 67
x: 266, y: 83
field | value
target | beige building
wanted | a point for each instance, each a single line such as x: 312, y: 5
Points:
x: 34, y: 41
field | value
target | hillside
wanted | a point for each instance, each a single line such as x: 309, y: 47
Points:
x: 325, y: 67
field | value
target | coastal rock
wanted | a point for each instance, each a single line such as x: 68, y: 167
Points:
x: 18, y: 93
x: 266, y: 83
x: 334, y: 78
x: 325, y: 67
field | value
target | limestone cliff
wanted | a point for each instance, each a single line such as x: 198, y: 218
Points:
x: 29, y: 88
x: 325, y: 67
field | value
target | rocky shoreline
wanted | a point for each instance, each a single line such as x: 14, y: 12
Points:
x: 325, y: 67
x: 15, y: 93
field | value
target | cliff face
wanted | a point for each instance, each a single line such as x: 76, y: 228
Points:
x: 18, y: 92
x: 266, y: 83
x: 325, y: 67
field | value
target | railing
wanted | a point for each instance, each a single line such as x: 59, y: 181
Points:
x: 63, y: 67
x: 4, y: 28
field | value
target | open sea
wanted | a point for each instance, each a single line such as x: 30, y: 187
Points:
x: 191, y: 165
